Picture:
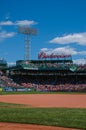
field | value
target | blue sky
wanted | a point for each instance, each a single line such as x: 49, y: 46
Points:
x: 61, y: 28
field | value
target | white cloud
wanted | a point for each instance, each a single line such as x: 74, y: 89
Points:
x: 4, y: 35
x: 79, y: 61
x: 67, y: 50
x: 79, y: 38
x: 60, y: 50
x: 44, y: 49
x: 6, y: 23
x: 18, y: 23
x: 11, y: 63
x: 25, y: 22
x: 82, y: 52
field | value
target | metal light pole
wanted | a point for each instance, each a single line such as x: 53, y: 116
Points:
x: 27, y: 32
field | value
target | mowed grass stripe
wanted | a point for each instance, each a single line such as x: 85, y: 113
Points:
x: 64, y: 117
x: 3, y: 105
x: 35, y: 92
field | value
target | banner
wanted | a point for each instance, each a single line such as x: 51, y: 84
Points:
x: 43, y: 55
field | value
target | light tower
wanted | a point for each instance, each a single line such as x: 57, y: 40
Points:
x: 27, y: 32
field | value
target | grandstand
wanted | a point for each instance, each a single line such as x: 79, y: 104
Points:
x: 43, y: 75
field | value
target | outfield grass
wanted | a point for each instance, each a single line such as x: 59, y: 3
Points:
x: 63, y: 117
x: 8, y: 105
x: 35, y: 92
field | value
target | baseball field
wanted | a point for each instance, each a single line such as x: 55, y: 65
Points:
x: 43, y: 111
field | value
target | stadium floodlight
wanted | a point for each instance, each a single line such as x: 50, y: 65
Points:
x: 28, y: 32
